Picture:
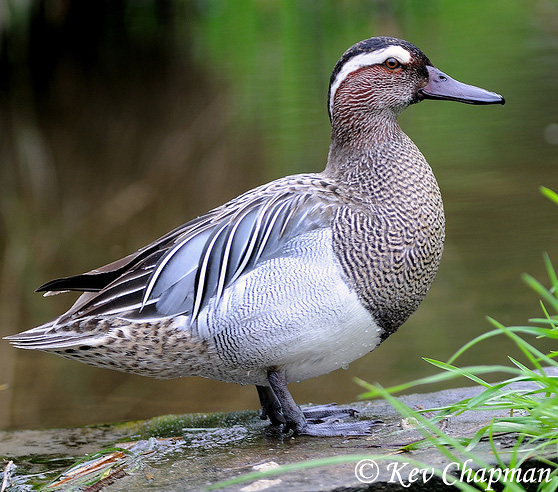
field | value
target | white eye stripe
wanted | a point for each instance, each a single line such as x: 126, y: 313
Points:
x: 367, y: 59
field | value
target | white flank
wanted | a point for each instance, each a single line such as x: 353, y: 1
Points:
x: 364, y: 60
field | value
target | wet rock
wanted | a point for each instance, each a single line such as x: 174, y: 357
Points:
x: 192, y: 452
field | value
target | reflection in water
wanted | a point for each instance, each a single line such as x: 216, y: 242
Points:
x: 119, y: 129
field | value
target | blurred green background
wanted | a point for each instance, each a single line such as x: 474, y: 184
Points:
x: 122, y: 119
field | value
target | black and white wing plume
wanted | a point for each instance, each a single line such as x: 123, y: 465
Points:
x: 179, y: 274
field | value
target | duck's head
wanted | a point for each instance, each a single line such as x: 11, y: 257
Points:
x: 382, y: 73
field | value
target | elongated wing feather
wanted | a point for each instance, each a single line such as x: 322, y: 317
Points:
x: 179, y: 273
x: 185, y: 283
x: 99, y: 278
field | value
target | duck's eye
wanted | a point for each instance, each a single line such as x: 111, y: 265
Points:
x: 392, y: 63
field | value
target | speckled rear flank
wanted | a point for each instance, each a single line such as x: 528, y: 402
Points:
x: 161, y: 349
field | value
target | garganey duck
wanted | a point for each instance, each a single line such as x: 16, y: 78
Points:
x: 293, y: 279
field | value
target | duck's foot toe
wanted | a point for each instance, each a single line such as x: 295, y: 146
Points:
x: 332, y: 428
x: 331, y: 420
x: 320, y: 413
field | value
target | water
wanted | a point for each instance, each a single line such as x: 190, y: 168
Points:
x: 106, y: 146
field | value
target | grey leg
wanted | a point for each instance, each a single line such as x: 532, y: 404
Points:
x: 296, y: 420
x: 293, y: 415
x: 271, y: 408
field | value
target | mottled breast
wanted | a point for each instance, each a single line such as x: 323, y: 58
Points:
x: 390, y: 245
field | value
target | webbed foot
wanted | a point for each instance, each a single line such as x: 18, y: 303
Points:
x: 336, y: 428
x: 320, y: 420
x: 327, y: 412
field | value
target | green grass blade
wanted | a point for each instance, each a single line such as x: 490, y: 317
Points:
x: 541, y: 290
x: 551, y: 272
x: 551, y: 195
